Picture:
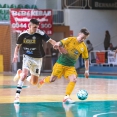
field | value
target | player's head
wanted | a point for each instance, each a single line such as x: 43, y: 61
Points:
x: 83, y: 34
x: 33, y: 25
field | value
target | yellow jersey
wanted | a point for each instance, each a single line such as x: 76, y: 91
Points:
x: 74, y: 49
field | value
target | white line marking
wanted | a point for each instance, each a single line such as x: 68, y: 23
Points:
x: 103, y: 114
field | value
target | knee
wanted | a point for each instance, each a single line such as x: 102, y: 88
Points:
x: 23, y: 76
x: 74, y: 80
x: 34, y: 81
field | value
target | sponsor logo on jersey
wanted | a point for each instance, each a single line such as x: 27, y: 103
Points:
x: 33, y: 37
x: 29, y: 52
x: 82, y: 49
x: 29, y: 41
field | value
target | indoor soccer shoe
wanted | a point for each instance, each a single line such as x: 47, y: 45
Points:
x: 68, y: 100
x: 17, y: 76
x: 40, y: 83
x: 16, y: 100
x: 67, y: 107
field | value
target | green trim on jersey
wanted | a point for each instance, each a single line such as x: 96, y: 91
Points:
x: 65, y: 60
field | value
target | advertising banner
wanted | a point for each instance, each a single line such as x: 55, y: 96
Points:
x: 104, y: 4
x: 20, y: 18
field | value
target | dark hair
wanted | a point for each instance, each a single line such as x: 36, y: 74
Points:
x: 107, y: 32
x: 84, y: 31
x: 34, y: 21
x: 88, y: 42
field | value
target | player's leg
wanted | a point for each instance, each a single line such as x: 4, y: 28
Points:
x: 35, y: 69
x: 33, y: 78
x: 23, y: 76
x: 47, y: 79
x: 72, y: 76
x: 56, y: 73
x: 17, y: 76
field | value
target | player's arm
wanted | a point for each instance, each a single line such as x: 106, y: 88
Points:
x: 45, y: 37
x: 53, y: 42
x: 60, y: 47
x: 85, y: 55
x: 86, y: 68
x: 17, y: 48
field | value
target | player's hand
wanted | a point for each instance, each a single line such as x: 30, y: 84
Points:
x: 86, y: 74
x: 15, y: 59
x: 62, y: 50
x: 56, y: 46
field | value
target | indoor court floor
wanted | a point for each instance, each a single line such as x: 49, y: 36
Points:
x: 47, y: 101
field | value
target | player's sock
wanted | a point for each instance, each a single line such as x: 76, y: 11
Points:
x: 28, y: 78
x: 47, y: 79
x: 70, y: 88
x: 19, y: 88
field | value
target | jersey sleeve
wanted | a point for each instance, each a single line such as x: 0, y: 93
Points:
x: 85, y: 54
x: 20, y: 39
x: 45, y: 37
x: 66, y: 41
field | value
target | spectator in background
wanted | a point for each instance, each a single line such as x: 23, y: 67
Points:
x: 54, y: 55
x: 90, y: 48
x: 106, y: 42
x: 111, y: 47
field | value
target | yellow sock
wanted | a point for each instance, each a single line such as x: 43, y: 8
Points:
x: 69, y: 114
x: 47, y: 79
x: 70, y: 88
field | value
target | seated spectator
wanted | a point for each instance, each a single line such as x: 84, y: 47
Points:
x: 111, y: 47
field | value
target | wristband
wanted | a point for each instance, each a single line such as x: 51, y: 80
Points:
x: 86, y: 71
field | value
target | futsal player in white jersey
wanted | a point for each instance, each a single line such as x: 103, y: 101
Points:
x: 33, y: 52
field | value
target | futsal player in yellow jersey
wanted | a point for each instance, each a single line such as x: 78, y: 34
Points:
x: 74, y: 46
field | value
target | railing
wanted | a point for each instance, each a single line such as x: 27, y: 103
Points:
x: 82, y: 4
x: 90, y: 4
x: 98, y: 58
x: 58, y: 16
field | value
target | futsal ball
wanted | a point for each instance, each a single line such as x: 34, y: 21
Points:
x: 82, y: 94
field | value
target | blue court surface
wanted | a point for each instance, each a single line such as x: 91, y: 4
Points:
x: 58, y: 109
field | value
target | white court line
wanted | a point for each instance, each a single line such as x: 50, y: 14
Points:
x: 103, y: 114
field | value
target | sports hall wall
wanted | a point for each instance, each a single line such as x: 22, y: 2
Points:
x: 5, y: 46
x: 8, y: 39
x: 97, y: 21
